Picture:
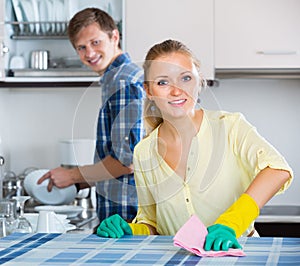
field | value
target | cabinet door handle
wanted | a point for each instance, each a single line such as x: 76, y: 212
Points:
x: 3, y: 49
x: 277, y: 52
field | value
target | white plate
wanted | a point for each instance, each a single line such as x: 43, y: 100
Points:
x: 8, y: 10
x: 28, y: 13
x: 56, y: 196
x: 69, y: 210
x: 59, y: 15
x: 18, y: 12
x: 31, y: 14
x: 44, y: 9
x: 36, y: 15
x: 51, y: 15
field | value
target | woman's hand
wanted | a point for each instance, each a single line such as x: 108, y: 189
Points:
x: 220, y: 237
x: 114, y: 227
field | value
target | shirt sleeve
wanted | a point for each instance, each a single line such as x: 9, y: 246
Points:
x: 255, y: 152
x: 146, y: 204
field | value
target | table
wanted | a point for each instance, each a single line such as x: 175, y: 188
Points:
x: 85, y: 249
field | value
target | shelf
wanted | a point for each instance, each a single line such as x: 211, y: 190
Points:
x: 38, y: 30
x: 38, y: 84
x: 53, y: 72
x: 43, y: 30
x: 38, y: 37
x: 50, y: 82
x: 52, y: 77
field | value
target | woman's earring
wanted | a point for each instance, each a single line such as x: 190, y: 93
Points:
x: 198, y: 106
x: 152, y: 108
x: 198, y: 98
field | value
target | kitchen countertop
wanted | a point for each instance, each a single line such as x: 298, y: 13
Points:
x: 83, y: 249
x: 279, y: 214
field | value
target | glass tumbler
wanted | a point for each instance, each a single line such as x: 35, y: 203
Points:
x: 3, y: 228
x: 8, y: 215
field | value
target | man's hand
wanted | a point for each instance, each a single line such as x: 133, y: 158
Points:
x: 106, y: 169
x: 61, y: 177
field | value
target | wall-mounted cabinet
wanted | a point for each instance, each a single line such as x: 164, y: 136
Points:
x: 142, y: 23
x: 253, y: 34
x: 246, y: 35
x: 3, y: 48
x: 190, y: 21
x: 29, y: 25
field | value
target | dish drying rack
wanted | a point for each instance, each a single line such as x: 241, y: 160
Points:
x: 44, y: 29
x: 39, y: 30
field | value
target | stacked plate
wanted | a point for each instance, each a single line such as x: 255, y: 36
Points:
x: 46, y: 17
x: 27, y: 11
x: 57, y: 196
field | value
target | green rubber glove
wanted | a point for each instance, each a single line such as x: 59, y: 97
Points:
x: 114, y: 227
x: 220, y: 237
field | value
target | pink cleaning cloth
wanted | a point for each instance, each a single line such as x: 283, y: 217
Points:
x: 191, y: 236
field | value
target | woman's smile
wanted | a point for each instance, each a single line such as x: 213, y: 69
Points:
x: 178, y: 103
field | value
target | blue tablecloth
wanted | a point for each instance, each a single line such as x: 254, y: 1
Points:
x: 83, y: 249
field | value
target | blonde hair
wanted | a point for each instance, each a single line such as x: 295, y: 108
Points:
x: 152, y: 114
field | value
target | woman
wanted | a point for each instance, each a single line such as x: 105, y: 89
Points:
x: 210, y: 163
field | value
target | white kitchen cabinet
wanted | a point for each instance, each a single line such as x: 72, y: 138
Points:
x: 257, y: 34
x: 26, y: 26
x: 190, y: 21
x: 3, y: 48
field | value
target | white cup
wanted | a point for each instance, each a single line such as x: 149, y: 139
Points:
x: 39, y: 59
x: 49, y: 222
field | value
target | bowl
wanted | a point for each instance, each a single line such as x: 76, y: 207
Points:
x: 17, y: 62
x: 57, y: 196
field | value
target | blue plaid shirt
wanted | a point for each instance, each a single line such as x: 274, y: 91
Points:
x: 119, y: 129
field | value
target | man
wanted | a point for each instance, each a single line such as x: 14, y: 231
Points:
x: 96, y: 39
